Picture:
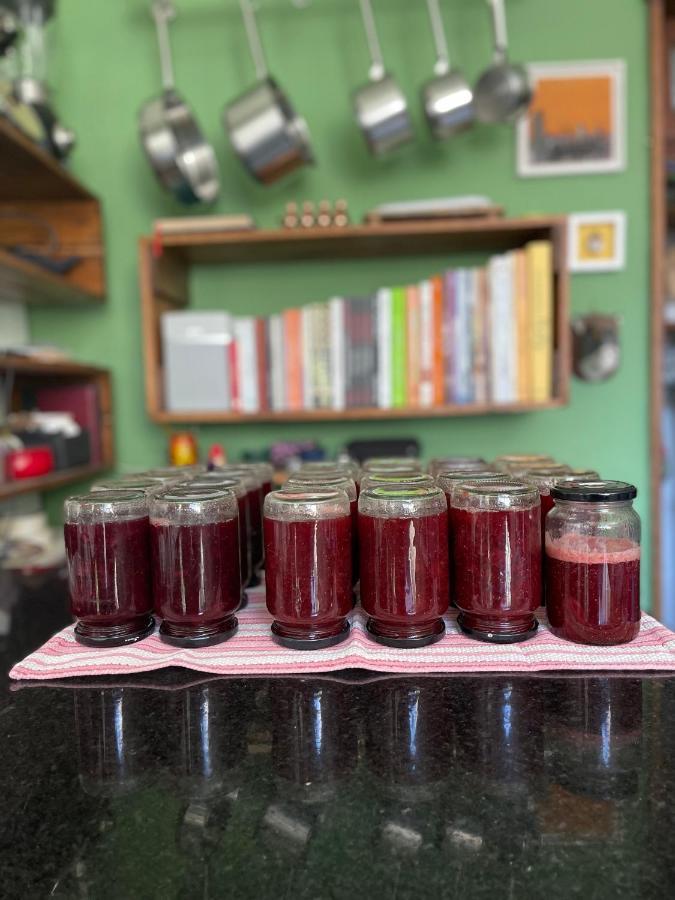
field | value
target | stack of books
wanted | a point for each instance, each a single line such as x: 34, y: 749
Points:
x: 466, y: 336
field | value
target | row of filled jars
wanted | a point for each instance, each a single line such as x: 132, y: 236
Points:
x: 493, y: 540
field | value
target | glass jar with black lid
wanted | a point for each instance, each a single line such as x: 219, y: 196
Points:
x: 593, y: 562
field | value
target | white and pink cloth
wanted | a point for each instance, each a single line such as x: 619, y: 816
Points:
x: 253, y: 652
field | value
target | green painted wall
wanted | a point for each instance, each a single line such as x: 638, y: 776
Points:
x: 106, y: 66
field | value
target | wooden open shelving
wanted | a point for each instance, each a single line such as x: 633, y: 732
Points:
x: 28, y: 371
x: 164, y: 285
x: 40, y: 200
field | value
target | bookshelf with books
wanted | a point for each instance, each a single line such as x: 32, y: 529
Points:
x: 490, y: 338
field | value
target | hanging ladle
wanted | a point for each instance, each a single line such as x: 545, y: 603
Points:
x: 447, y: 97
x: 503, y: 91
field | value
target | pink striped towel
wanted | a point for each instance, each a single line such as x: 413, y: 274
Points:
x: 253, y: 652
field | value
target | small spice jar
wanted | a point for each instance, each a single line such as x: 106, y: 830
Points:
x: 308, y: 581
x: 194, y: 535
x: 224, y: 482
x: 593, y: 562
x: 403, y: 535
x: 496, y: 529
x: 452, y: 463
x: 312, y: 480
x: 108, y: 554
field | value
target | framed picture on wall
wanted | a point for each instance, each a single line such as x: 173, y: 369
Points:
x: 576, y: 122
x: 596, y: 241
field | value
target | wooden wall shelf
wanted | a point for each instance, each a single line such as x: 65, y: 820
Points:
x: 164, y: 285
x: 29, y: 371
x: 41, y: 201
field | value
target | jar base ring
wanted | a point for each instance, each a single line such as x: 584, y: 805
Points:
x: 88, y: 640
x: 207, y: 640
x: 492, y: 637
x: 407, y: 643
x: 317, y: 644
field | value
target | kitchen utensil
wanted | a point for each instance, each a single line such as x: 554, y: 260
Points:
x: 447, y: 98
x: 503, y: 91
x: 380, y: 107
x: 9, y: 29
x: 181, y: 158
x: 269, y: 137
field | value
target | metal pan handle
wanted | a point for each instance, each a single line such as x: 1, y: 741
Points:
x: 163, y: 11
x: 376, y: 71
x: 442, y: 66
x: 253, y: 37
x: 499, y: 30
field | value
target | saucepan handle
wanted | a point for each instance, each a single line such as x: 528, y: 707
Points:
x: 376, y: 71
x: 254, y: 42
x: 442, y: 66
x: 163, y: 11
x: 500, y: 36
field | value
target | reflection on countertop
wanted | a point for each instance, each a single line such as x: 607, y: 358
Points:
x: 179, y: 785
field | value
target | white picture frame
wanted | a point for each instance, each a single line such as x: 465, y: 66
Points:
x: 605, y: 152
x: 611, y: 237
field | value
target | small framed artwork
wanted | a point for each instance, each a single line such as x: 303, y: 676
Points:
x: 596, y: 241
x: 576, y: 122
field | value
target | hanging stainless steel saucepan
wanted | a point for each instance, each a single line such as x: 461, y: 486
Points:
x: 380, y: 107
x: 266, y: 133
x: 447, y: 97
x: 182, y: 160
x: 503, y: 91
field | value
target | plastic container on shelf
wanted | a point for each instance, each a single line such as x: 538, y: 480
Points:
x: 403, y: 535
x: 308, y: 579
x: 496, y: 528
x: 194, y: 535
x: 593, y: 562
x: 108, y: 554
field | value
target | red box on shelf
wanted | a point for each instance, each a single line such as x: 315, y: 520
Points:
x: 29, y: 463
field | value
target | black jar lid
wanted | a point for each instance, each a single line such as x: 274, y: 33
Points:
x: 594, y: 491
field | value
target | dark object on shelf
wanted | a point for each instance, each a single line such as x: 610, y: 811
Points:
x: 362, y: 450
x: 181, y: 158
x: 67, y: 451
x: 596, y: 352
x: 269, y: 137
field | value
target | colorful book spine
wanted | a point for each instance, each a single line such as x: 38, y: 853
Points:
x: 521, y: 333
x: 263, y: 363
x: 277, y: 364
x: 384, y: 348
x: 246, y: 364
x: 539, y: 258
x: 322, y: 363
x: 399, y: 349
x: 479, y: 362
x: 337, y: 352
x: 438, y: 340
x: 449, y: 345
x: 293, y: 359
x: 413, y: 345
x: 426, y: 319
x: 465, y: 301
x: 503, y: 360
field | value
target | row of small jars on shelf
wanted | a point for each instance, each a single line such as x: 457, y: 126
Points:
x: 464, y: 532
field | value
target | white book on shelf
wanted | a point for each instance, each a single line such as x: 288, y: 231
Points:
x: 247, y: 363
x: 277, y: 364
x: 336, y: 312
x: 308, y: 354
x: 426, y: 295
x: 464, y: 304
x: 384, y: 348
x: 502, y: 325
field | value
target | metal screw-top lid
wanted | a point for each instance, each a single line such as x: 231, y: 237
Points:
x: 594, y: 491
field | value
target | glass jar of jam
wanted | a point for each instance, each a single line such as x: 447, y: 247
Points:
x: 398, y: 478
x: 403, y: 534
x: 224, y: 482
x: 451, y: 463
x: 308, y: 547
x: 392, y: 463
x: 339, y: 482
x: 139, y: 483
x: 194, y: 535
x: 510, y: 461
x: 266, y: 472
x: 254, y: 499
x: 108, y: 554
x: 593, y: 562
x: 496, y: 529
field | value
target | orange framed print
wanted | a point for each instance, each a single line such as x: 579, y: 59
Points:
x: 596, y: 241
x: 575, y: 124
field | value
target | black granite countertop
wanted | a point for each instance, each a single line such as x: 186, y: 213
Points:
x: 175, y: 785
